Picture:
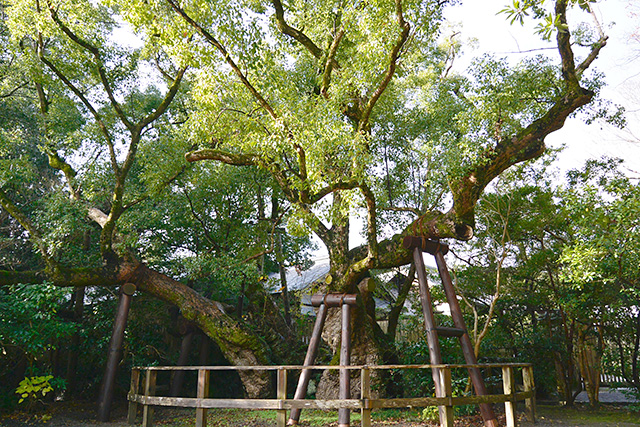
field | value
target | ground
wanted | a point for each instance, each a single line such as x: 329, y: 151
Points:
x: 72, y: 414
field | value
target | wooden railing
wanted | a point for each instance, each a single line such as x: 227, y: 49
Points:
x: 365, y: 404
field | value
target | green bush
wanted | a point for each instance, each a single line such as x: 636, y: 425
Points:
x: 33, y: 389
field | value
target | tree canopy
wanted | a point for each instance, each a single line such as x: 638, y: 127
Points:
x: 311, y: 113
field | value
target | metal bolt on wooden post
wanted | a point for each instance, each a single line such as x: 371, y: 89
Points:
x: 149, y: 390
x: 202, y: 393
x: 509, y: 385
x: 133, y: 391
x: 365, y: 395
x: 530, y: 402
x: 445, y: 384
x: 281, y: 416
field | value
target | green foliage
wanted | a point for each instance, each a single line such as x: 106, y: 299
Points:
x: 34, y: 388
x: 541, y: 11
x: 28, y: 318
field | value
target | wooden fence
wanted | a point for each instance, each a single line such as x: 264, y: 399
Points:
x: 365, y: 404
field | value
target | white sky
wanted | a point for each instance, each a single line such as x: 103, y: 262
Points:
x: 618, y: 61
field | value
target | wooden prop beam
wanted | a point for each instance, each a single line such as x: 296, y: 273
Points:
x: 305, y: 374
x: 115, y: 352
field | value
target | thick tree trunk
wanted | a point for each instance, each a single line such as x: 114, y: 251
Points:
x: 369, y: 346
x: 240, y: 347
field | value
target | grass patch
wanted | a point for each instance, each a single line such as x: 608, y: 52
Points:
x: 309, y: 418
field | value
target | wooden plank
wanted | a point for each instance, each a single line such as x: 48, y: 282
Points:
x: 272, y: 404
x: 330, y: 367
x: 188, y: 402
x: 132, y: 413
x: 202, y: 393
x: 405, y: 402
x: 509, y: 386
x: 365, y: 394
x: 149, y: 390
x: 444, y: 331
x: 445, y: 379
x: 529, y: 386
x: 281, y: 393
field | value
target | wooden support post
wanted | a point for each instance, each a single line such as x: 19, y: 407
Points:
x: 149, y: 390
x: 178, y: 376
x: 133, y: 391
x: 488, y: 415
x: 305, y: 374
x: 430, y: 326
x: 365, y: 395
x: 281, y: 416
x: 202, y: 393
x: 344, y: 414
x: 445, y: 381
x: 509, y: 385
x: 115, y: 352
x: 530, y: 402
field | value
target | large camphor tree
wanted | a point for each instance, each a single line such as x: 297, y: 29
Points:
x: 352, y: 108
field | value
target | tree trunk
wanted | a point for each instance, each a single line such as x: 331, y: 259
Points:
x: 239, y: 346
x: 183, y: 359
x: 369, y: 346
x: 589, y: 352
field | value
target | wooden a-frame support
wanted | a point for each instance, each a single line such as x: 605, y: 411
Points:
x: 419, y: 245
x: 345, y: 301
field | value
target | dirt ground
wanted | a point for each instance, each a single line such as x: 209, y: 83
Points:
x: 73, y: 414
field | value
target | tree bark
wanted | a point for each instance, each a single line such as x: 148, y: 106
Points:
x: 589, y: 353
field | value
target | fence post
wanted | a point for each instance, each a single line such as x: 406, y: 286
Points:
x: 281, y: 415
x: 202, y: 393
x: 509, y: 386
x: 445, y: 381
x: 133, y: 392
x: 530, y: 402
x: 365, y: 395
x: 149, y: 390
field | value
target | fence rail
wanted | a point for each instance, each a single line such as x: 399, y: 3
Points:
x: 365, y: 404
